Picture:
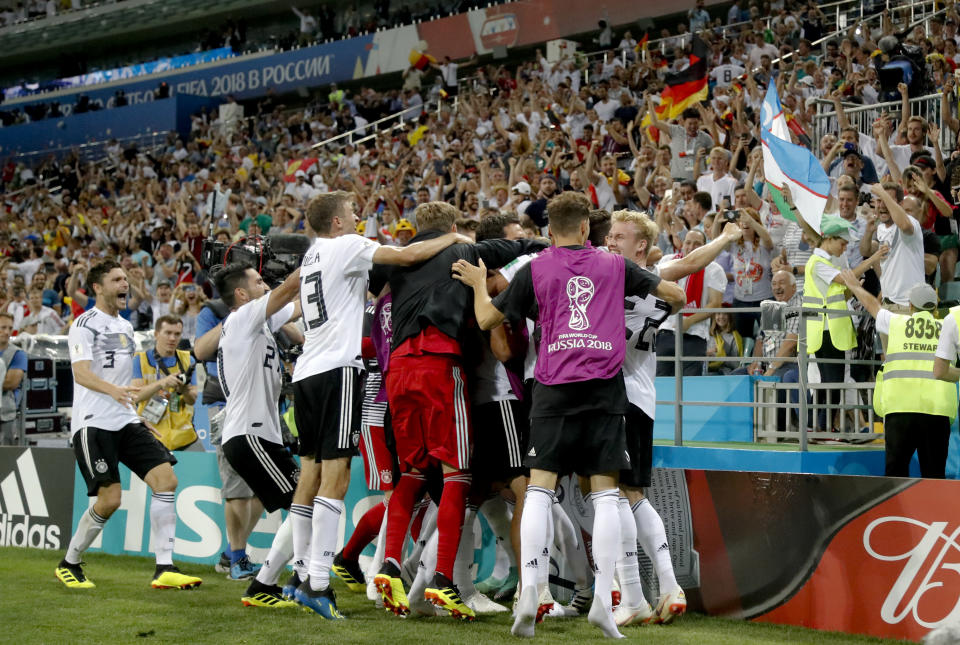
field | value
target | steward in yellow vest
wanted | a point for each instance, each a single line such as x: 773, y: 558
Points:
x: 166, y: 397
x: 917, y: 409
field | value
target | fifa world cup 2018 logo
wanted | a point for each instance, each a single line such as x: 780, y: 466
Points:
x: 386, y: 321
x: 580, y: 293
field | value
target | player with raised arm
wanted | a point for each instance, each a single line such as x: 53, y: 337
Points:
x: 632, y: 235
x: 327, y: 382
x: 250, y: 368
x: 108, y: 432
x: 579, y: 396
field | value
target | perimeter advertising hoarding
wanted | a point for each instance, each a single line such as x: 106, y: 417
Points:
x: 459, y: 36
x: 869, y: 555
x: 36, y: 497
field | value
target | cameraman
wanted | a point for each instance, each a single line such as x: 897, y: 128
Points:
x: 168, y: 386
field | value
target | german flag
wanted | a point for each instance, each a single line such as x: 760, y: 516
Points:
x: 642, y: 43
x: 420, y: 60
x: 290, y: 172
x: 689, y: 86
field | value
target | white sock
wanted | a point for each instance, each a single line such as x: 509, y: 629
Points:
x: 543, y: 568
x: 377, y: 561
x: 495, y: 512
x: 281, y: 550
x: 653, y: 539
x: 628, y: 570
x: 302, y: 523
x: 606, y: 543
x: 463, y: 565
x: 163, y: 526
x: 571, y: 547
x: 88, y: 528
x: 427, y: 528
x: 426, y: 568
x: 533, y: 532
x: 326, y: 521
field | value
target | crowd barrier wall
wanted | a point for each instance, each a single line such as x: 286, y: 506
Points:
x: 165, y: 115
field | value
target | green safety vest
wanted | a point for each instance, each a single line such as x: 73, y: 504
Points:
x: 906, y: 383
x: 838, y: 320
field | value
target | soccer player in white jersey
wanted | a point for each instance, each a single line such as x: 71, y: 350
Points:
x: 326, y: 380
x: 250, y: 369
x: 108, y: 432
x: 632, y: 235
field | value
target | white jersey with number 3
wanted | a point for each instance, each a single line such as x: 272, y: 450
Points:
x: 107, y: 342
x: 644, y: 317
x: 333, y: 293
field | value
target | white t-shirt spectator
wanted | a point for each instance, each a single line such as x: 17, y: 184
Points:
x: 718, y: 188
x: 713, y: 278
x: 606, y: 108
x: 725, y: 74
x: 751, y: 272
x: 758, y: 51
x: 902, y: 269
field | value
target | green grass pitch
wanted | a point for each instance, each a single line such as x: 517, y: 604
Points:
x: 35, y: 608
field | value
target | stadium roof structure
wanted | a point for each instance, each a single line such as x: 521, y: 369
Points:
x: 114, y: 21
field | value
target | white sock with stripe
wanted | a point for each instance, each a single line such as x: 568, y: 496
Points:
x: 495, y: 512
x: 326, y: 522
x: 533, y: 532
x: 653, y: 539
x: 377, y: 562
x: 543, y: 563
x: 571, y: 547
x: 163, y: 526
x: 426, y: 568
x: 302, y: 528
x: 628, y: 569
x: 88, y: 528
x: 606, y: 547
x: 281, y: 550
x: 463, y: 566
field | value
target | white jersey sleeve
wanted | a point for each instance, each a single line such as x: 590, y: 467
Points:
x: 947, y: 346
x: 358, y: 254
x: 80, y: 340
x: 282, y: 317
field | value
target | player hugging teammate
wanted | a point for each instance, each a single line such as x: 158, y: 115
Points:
x: 453, y: 381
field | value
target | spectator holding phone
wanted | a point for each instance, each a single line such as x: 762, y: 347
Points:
x: 751, y: 269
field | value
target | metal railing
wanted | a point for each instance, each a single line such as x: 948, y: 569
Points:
x: 389, y: 123
x: 802, y: 360
x: 92, y: 150
x: 862, y: 117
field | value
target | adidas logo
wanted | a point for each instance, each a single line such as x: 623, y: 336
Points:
x: 38, y: 536
x: 531, y: 563
x: 532, y: 453
x: 663, y: 547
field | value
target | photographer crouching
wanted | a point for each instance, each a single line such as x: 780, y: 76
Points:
x: 168, y: 386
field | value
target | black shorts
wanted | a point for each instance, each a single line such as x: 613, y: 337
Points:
x: 100, y: 453
x: 586, y: 443
x: 501, y: 431
x: 268, y: 468
x: 327, y: 409
x: 639, y: 435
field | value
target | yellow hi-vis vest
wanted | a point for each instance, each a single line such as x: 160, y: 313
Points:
x: 175, y: 428
x: 907, y: 383
x: 838, y: 321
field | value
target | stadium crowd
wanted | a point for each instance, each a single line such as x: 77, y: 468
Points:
x: 517, y: 154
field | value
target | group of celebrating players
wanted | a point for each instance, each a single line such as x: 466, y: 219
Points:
x: 487, y: 368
